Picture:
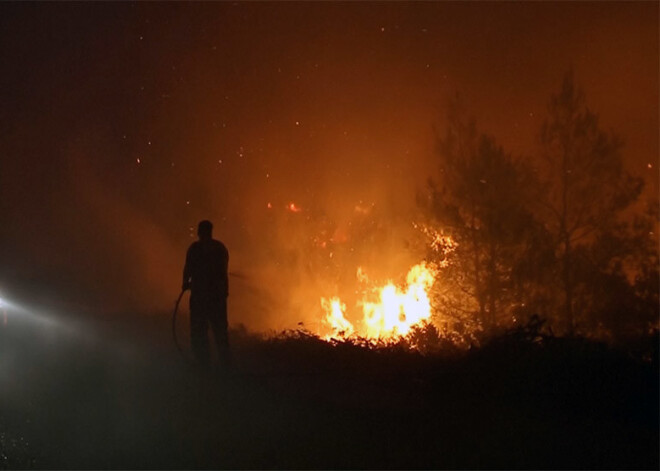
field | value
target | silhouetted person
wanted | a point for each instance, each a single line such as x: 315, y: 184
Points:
x: 205, y: 274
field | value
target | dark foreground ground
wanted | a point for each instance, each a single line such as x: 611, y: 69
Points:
x: 117, y: 395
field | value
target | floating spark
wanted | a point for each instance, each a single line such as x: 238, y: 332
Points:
x: 293, y: 208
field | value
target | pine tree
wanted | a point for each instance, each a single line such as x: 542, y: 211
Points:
x: 479, y: 201
x: 586, y: 186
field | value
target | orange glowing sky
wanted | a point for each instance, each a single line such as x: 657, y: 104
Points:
x: 124, y: 124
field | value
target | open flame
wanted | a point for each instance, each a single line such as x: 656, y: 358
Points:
x: 388, y: 312
x: 335, y: 317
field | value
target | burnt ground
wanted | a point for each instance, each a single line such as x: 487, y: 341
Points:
x: 115, y: 394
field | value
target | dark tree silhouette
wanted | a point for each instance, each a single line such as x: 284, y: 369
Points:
x: 586, y: 189
x: 556, y: 236
x: 480, y: 201
x: 617, y: 279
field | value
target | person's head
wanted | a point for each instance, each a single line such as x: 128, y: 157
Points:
x: 205, y: 230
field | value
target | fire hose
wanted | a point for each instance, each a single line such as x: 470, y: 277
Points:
x: 176, y: 309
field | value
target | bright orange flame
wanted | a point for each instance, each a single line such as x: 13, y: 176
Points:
x: 392, y: 314
x: 335, y: 318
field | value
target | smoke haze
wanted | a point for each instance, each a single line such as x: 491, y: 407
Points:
x: 303, y: 131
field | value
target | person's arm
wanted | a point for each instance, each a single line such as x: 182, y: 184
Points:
x: 186, y: 272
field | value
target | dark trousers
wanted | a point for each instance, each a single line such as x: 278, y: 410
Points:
x: 205, y: 311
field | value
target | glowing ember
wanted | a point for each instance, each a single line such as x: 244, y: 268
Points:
x: 391, y: 314
x: 437, y: 240
x: 293, y: 208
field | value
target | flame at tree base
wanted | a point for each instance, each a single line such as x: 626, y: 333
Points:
x: 388, y: 312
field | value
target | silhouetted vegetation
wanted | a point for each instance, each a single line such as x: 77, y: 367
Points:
x: 553, y: 234
x: 524, y: 399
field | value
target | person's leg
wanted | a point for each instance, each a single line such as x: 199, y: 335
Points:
x: 199, y: 342
x: 219, y: 326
